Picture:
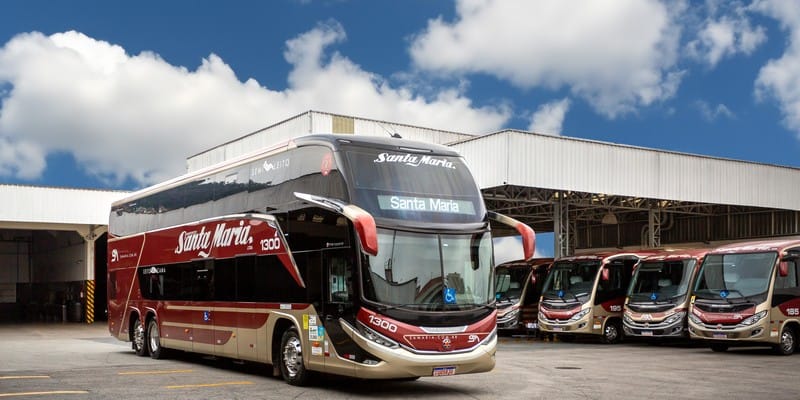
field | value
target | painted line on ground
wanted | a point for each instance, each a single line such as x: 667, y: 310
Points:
x: 43, y: 393
x: 24, y: 377
x: 174, y: 371
x: 201, y: 385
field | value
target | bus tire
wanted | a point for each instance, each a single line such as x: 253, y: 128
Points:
x: 719, y: 347
x: 788, y: 342
x: 139, y: 338
x: 612, y: 333
x: 154, y: 340
x: 291, y: 359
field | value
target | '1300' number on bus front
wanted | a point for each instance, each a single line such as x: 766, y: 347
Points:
x: 377, y: 321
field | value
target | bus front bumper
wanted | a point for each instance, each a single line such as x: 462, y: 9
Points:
x: 756, y: 332
x: 402, y: 363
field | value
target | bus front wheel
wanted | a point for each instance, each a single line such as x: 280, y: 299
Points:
x: 139, y: 338
x: 292, y: 368
x: 788, y: 342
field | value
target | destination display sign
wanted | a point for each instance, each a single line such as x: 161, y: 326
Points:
x: 425, y: 204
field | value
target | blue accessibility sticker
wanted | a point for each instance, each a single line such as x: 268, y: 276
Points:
x: 449, y: 295
x: 654, y: 296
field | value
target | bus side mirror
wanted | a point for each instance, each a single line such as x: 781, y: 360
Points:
x: 783, y: 269
x: 605, y: 274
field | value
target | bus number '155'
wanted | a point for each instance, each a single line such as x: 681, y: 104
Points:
x: 377, y: 321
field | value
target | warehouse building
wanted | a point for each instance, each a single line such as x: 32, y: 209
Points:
x: 590, y: 194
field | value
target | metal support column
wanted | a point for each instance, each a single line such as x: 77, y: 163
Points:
x: 561, y: 229
x: 654, y: 228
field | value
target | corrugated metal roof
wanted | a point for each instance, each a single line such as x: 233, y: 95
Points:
x: 568, y: 164
x: 51, y: 205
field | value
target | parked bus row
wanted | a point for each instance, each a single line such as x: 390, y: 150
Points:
x: 738, y: 294
x: 362, y: 257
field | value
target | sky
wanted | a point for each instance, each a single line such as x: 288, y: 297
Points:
x: 116, y: 95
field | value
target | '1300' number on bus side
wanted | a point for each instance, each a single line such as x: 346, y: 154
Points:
x: 382, y: 323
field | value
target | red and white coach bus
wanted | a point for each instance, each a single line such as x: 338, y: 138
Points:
x: 748, y: 293
x: 363, y: 257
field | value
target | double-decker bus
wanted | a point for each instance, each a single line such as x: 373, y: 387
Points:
x: 363, y: 257
x: 659, y: 293
x: 748, y: 294
x: 584, y: 295
x: 518, y: 288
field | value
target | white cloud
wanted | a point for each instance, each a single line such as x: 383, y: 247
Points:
x: 616, y: 54
x: 549, y: 117
x: 725, y: 35
x: 136, y: 116
x: 710, y: 113
x: 780, y: 78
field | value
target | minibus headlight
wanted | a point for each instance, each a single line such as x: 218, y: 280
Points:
x: 754, y: 318
x: 627, y: 318
x: 695, y: 319
x: 579, y: 315
x: 675, y: 317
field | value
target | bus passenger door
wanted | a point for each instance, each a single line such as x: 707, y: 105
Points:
x: 337, y: 302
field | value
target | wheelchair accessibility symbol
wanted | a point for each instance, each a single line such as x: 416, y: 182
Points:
x: 449, y: 296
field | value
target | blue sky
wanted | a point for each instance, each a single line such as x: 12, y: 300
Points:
x: 116, y: 95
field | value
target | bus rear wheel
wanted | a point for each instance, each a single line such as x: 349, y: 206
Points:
x: 788, y: 342
x: 292, y: 368
x: 139, y: 337
x: 154, y: 340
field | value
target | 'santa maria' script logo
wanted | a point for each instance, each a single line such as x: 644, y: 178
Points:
x: 202, y: 241
x: 413, y: 160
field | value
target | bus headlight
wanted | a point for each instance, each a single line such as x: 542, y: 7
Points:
x: 695, y: 319
x: 627, y: 318
x: 376, y: 337
x: 579, y: 315
x: 754, y: 318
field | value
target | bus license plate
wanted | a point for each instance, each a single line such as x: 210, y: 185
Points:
x: 557, y: 329
x: 532, y: 325
x: 444, y: 371
x: 720, y: 336
x: 647, y: 333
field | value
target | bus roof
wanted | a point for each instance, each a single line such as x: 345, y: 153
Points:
x: 607, y: 256
x: 778, y: 245
x: 330, y: 140
x: 677, y: 254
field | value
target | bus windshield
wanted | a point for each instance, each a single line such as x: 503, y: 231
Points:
x: 412, y: 186
x: 571, y: 281
x: 429, y: 271
x: 661, y: 280
x: 510, y: 283
x: 731, y: 276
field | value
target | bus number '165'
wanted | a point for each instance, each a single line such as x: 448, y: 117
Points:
x: 382, y: 323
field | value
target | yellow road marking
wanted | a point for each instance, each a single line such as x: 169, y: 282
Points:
x: 174, y: 371
x: 210, y: 385
x: 43, y: 393
x: 25, y: 377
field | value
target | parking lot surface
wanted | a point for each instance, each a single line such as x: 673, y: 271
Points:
x: 77, y: 361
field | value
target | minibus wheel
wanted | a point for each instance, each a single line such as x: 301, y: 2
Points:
x: 719, y: 347
x: 139, y: 338
x: 612, y: 333
x: 788, y: 342
x: 292, y: 368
